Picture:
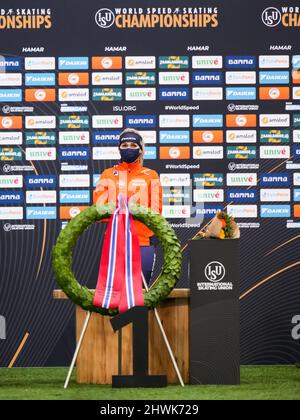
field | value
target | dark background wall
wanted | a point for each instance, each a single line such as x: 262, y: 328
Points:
x: 27, y: 281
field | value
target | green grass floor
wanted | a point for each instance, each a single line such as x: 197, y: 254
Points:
x: 257, y: 383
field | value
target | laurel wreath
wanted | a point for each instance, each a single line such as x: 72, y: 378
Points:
x: 81, y: 295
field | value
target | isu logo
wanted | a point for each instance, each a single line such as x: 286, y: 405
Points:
x: 271, y: 17
x: 215, y: 272
x: 105, y: 18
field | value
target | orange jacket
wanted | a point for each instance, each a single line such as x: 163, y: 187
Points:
x: 132, y: 180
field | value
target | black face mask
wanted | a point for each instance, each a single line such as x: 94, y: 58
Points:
x: 129, y: 155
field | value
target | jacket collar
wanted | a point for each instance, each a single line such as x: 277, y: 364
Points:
x: 129, y: 166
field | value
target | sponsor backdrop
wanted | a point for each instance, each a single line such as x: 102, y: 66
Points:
x: 215, y: 89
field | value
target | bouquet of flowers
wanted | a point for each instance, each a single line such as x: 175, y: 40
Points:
x: 222, y: 226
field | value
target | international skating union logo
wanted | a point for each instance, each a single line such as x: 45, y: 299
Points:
x: 271, y: 17
x: 6, y: 168
x: 7, y: 227
x: 6, y: 109
x: 215, y: 271
x: 105, y: 18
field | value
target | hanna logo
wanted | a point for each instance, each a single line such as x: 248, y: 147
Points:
x: 215, y: 272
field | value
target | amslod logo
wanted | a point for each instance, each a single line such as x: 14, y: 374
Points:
x: 215, y: 271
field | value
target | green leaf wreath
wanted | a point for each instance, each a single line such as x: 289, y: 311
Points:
x: 81, y: 295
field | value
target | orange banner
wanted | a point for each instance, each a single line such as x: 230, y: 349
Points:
x: 40, y: 95
x: 274, y: 93
x: 8, y: 123
x: 174, y: 152
x: 207, y: 136
x: 67, y: 212
x: 297, y: 210
x: 106, y: 63
x: 247, y: 120
x: 296, y: 77
x: 73, y: 79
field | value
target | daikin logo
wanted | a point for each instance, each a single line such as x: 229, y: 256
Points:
x: 207, y: 121
x: 271, y: 211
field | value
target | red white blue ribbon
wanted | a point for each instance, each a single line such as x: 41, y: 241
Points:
x: 120, y: 278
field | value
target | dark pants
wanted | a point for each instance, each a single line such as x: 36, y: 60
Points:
x: 148, y: 258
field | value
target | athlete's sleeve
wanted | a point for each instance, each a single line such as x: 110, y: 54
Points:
x: 156, y: 193
x: 100, y: 194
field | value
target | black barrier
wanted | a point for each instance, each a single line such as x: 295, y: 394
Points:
x: 214, y: 312
x: 138, y: 317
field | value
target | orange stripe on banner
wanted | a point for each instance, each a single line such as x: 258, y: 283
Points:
x: 269, y: 278
x: 43, y: 247
x: 45, y: 229
x: 282, y: 245
x: 20, y: 348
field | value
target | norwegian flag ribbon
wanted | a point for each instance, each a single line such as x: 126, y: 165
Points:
x: 120, y: 278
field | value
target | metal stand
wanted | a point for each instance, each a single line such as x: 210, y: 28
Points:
x: 86, y: 323
x: 165, y: 338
